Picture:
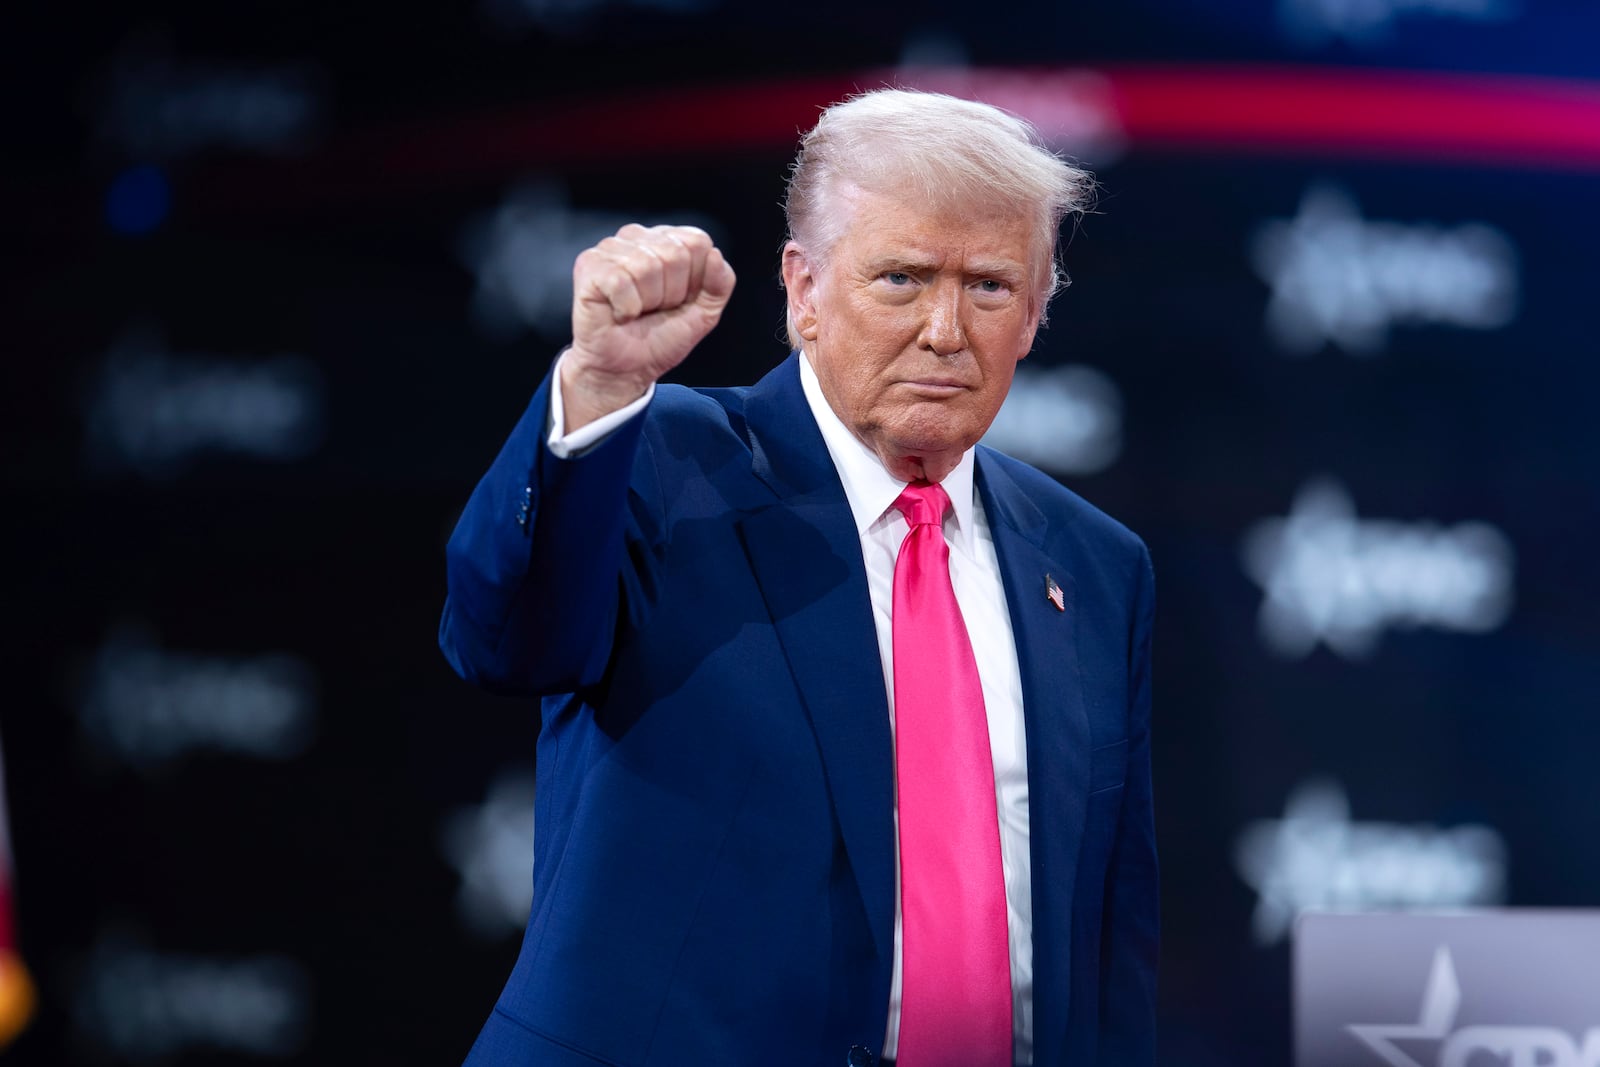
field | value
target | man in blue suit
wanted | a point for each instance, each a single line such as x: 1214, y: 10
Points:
x: 741, y: 802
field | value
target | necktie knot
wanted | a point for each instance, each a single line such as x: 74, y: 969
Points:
x: 923, y: 504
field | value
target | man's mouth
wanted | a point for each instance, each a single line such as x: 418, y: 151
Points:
x: 935, y: 386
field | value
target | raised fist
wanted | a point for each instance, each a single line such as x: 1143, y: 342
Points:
x: 641, y: 301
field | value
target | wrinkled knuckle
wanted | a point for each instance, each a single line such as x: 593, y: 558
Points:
x: 674, y: 256
x: 694, y: 237
x: 613, y: 282
x: 590, y: 266
x: 625, y: 279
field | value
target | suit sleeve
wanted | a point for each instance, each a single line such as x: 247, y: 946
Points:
x: 1131, y: 934
x: 535, y: 563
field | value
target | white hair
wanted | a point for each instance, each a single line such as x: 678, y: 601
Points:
x: 949, y: 153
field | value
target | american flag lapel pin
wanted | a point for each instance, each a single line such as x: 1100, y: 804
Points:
x: 1053, y: 593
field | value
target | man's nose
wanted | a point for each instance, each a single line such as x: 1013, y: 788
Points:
x: 942, y: 330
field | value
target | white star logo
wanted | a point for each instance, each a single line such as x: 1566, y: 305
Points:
x: 1440, y: 1000
x: 1514, y: 1045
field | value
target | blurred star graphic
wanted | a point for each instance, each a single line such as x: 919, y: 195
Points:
x: 1322, y: 286
x: 1339, y: 279
x: 1330, y: 578
x: 1302, y: 563
x: 1317, y: 858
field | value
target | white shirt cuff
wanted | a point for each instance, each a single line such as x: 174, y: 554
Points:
x: 581, y: 440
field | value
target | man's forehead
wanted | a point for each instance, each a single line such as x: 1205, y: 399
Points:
x: 911, y: 199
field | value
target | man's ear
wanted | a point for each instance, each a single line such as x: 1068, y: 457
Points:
x: 1036, y: 313
x: 800, y: 283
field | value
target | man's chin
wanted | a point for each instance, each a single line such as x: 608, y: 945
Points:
x: 925, y: 460
x: 932, y: 429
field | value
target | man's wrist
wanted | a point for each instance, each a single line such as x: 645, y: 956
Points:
x: 589, y: 394
x: 568, y: 441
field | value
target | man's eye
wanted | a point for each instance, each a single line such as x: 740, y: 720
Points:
x: 897, y: 277
x: 989, y: 285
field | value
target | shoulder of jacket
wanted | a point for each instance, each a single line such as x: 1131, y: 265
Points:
x: 1065, y: 509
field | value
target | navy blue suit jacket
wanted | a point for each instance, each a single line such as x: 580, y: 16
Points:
x: 714, y: 880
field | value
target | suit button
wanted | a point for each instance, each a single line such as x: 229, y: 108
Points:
x: 860, y: 1056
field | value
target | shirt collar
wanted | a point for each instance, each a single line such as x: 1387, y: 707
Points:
x: 868, y: 486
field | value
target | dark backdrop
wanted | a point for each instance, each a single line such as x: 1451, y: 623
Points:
x: 280, y: 276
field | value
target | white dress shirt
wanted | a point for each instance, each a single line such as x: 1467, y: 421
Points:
x: 975, y: 573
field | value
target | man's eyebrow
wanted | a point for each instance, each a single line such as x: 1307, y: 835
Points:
x: 909, y: 262
x: 1009, y: 269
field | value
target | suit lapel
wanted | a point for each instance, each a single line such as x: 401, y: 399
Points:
x: 1057, y: 730
x: 806, y: 556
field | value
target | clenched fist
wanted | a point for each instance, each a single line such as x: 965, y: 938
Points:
x: 641, y: 301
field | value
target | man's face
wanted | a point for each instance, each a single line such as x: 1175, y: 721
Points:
x: 916, y: 324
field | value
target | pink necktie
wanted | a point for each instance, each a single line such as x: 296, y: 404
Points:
x: 955, y: 994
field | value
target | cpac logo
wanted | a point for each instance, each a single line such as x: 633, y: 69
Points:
x: 156, y: 412
x: 521, y: 254
x: 143, y: 1004
x: 1317, y: 858
x: 1510, y: 1046
x: 148, y: 706
x: 158, y: 106
x: 1066, y: 420
x: 1333, y: 579
x: 1371, y: 21
x: 1340, y: 279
